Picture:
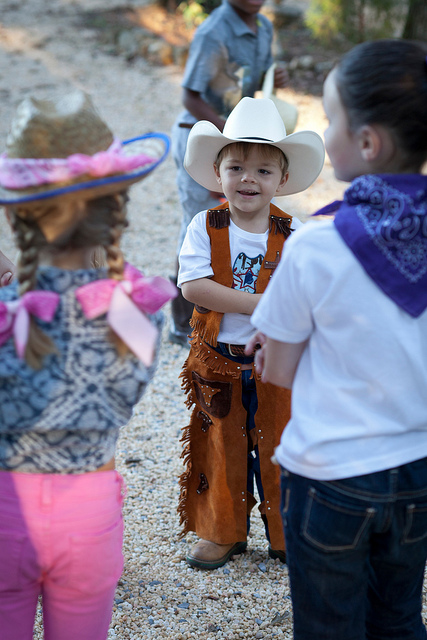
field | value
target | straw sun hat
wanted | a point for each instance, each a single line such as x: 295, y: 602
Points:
x: 256, y: 121
x: 62, y: 148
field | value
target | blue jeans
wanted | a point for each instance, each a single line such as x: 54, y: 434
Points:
x: 250, y: 404
x: 356, y: 551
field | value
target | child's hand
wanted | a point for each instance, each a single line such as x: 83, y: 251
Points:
x: 6, y: 279
x: 281, y: 77
x: 257, y: 344
x: 7, y: 270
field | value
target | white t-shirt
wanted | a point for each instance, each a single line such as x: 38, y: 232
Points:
x: 359, y: 398
x: 247, y: 252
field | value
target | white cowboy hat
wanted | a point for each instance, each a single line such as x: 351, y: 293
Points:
x: 62, y: 148
x: 256, y: 121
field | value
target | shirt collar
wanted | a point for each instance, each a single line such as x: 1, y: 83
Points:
x: 237, y: 25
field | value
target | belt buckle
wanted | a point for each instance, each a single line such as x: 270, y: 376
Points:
x: 230, y: 351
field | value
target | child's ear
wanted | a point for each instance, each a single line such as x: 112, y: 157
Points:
x: 376, y: 144
x: 218, y: 176
x: 283, y: 181
x: 370, y: 142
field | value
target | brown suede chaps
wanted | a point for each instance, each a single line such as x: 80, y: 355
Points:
x: 214, y: 501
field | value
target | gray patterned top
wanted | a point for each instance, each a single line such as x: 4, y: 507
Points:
x: 65, y: 418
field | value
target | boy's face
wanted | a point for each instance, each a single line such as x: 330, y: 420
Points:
x: 249, y: 7
x: 250, y: 184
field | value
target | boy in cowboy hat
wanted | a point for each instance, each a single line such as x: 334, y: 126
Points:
x: 228, y: 57
x: 226, y: 261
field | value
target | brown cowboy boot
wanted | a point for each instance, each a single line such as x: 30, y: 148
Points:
x: 209, y: 555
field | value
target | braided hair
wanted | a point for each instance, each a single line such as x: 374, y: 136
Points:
x: 99, y: 223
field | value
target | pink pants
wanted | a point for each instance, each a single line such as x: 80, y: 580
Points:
x: 61, y: 538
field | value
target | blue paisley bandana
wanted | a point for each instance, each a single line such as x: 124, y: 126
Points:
x: 383, y: 220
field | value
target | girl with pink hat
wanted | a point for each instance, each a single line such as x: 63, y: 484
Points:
x: 77, y: 349
x: 345, y: 317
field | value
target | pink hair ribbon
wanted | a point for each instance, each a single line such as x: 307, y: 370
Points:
x: 126, y: 302
x: 15, y: 316
x: 21, y: 173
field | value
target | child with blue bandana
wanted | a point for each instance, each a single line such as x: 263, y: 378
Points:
x: 344, y: 324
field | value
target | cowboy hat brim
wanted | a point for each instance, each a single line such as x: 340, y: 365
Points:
x: 304, y: 150
x: 89, y: 187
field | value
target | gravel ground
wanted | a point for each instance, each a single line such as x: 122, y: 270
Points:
x: 43, y: 51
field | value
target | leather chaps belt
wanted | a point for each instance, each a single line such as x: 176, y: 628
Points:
x: 236, y: 350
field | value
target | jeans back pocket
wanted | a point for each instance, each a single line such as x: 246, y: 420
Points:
x: 331, y: 525
x: 415, y: 524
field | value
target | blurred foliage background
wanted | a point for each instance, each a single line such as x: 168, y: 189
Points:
x: 354, y: 20
x: 360, y: 20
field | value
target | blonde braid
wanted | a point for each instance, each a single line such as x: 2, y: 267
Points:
x: 115, y: 259
x: 29, y: 237
x: 26, y: 236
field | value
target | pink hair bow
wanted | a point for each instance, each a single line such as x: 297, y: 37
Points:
x: 15, y: 316
x: 125, y: 302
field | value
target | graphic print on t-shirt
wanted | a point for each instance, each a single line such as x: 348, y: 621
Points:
x: 245, y: 272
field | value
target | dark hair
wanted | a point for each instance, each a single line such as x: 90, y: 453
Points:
x: 385, y: 82
x: 267, y: 151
